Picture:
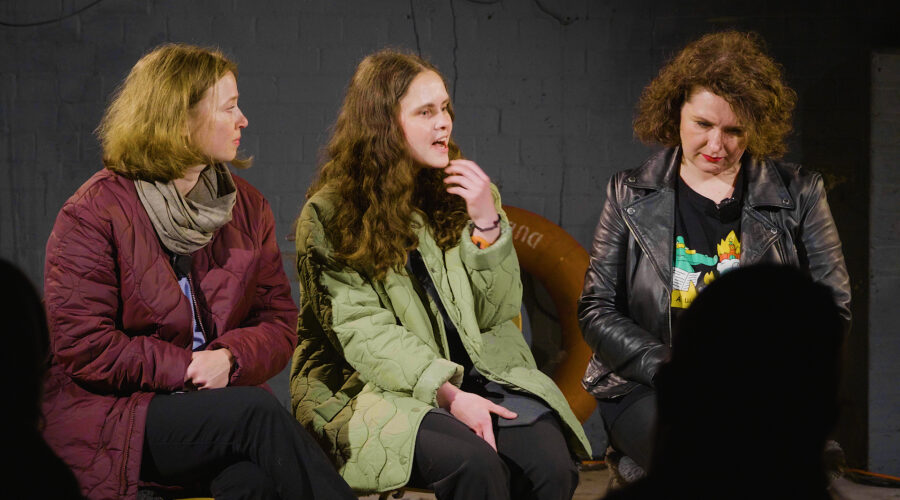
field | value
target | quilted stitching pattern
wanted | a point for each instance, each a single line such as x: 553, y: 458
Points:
x: 369, y: 361
x: 121, y: 328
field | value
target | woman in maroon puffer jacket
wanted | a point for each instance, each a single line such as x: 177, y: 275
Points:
x: 164, y: 289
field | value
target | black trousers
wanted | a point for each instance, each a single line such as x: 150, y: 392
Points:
x: 235, y: 442
x: 631, y: 423
x: 531, y: 461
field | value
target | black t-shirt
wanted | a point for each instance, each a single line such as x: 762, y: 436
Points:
x: 707, y: 241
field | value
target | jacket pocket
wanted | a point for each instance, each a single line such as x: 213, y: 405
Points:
x: 603, y: 383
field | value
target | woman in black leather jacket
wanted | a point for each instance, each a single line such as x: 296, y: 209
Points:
x: 712, y: 200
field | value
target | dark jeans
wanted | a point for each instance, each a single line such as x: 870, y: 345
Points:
x: 631, y: 423
x: 236, y: 442
x: 532, y: 461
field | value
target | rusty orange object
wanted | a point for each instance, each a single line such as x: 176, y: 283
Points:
x: 553, y: 256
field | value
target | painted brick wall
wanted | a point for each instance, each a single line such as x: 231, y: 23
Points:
x: 884, y: 316
x: 544, y: 92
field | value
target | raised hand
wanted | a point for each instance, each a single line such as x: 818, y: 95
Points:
x: 466, y: 179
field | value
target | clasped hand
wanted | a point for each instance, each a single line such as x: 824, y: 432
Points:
x: 209, y: 369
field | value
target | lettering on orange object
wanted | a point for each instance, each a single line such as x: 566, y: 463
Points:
x: 525, y: 234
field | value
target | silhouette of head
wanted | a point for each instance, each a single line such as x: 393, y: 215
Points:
x: 753, y: 375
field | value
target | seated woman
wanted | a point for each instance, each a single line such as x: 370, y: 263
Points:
x: 409, y: 368
x: 164, y: 290
x: 712, y: 200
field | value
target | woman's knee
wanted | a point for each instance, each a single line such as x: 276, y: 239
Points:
x: 556, y: 471
x: 483, y: 462
x: 243, y: 480
x: 256, y: 401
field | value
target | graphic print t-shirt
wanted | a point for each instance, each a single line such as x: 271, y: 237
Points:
x: 707, y: 241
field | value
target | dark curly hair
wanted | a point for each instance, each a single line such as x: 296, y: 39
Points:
x: 378, y: 184
x: 734, y: 66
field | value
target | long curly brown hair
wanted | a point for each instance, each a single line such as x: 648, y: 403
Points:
x: 734, y: 66
x: 378, y: 184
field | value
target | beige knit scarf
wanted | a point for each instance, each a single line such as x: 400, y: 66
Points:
x: 187, y: 223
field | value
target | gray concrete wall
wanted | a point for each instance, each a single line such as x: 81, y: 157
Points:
x: 544, y: 92
x: 884, y: 248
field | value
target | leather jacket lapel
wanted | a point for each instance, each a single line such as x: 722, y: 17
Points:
x: 651, y: 218
x: 765, y: 188
x: 758, y: 234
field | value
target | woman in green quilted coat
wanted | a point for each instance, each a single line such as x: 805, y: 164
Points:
x: 409, y: 369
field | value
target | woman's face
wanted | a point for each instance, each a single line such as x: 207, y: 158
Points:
x: 712, y: 137
x: 216, y: 121
x: 425, y: 119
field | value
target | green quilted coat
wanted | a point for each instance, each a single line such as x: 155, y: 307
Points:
x: 371, y: 355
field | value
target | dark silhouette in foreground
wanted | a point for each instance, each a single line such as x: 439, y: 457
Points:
x: 32, y: 469
x: 750, y: 394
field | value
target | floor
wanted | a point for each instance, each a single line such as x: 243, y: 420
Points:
x: 593, y: 486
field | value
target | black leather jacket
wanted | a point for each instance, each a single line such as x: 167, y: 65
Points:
x: 624, y: 311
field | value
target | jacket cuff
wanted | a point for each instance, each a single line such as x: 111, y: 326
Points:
x: 439, y: 371
x: 478, y: 259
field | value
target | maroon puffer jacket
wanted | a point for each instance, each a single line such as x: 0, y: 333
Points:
x: 121, y: 327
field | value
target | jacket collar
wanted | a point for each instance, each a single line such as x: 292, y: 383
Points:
x: 765, y: 188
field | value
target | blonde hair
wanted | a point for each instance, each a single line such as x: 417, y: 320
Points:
x: 144, y: 131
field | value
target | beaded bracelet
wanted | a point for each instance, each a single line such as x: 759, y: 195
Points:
x: 495, y: 225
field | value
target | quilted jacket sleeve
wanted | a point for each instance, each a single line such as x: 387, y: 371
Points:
x: 263, y: 344
x: 82, y: 295
x: 628, y: 349
x: 493, y: 273
x: 368, y: 335
x: 822, y: 247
